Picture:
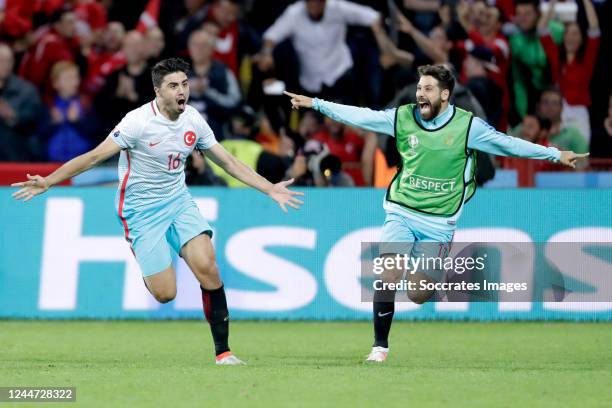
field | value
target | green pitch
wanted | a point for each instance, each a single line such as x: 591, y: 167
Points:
x: 169, y: 364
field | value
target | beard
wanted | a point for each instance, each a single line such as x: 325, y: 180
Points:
x: 429, y: 109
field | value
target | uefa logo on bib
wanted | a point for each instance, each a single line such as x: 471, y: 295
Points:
x: 413, y: 141
x: 190, y: 138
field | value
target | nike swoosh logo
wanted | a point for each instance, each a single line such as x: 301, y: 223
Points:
x: 384, y: 314
x: 154, y: 144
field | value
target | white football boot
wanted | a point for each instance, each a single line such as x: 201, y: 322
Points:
x: 228, y: 358
x: 378, y: 354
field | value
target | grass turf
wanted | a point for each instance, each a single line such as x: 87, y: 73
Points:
x: 316, y: 364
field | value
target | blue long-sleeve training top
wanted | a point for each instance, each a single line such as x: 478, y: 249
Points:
x: 482, y: 137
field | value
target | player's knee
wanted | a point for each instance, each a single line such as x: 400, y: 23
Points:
x: 208, y: 269
x: 420, y: 296
x: 391, y: 275
x: 165, y: 296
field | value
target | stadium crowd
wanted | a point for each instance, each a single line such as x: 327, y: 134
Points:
x: 70, y: 70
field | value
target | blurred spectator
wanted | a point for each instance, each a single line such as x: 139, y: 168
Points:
x: 316, y: 166
x: 458, y: 17
x: 44, y: 9
x: 310, y: 125
x: 155, y: 43
x: 550, y: 107
x: 19, y: 109
x: 354, y: 151
x: 196, y: 10
x: 572, y: 65
x: 424, y: 12
x: 16, y: 18
x: 241, y: 144
x: 331, y: 173
x: 476, y: 66
x: 56, y: 43
x: 317, y: 29
x: 486, y: 32
x: 128, y: 87
x: 304, y: 146
x: 601, y: 143
x: 199, y: 173
x: 435, y: 46
x: 280, y: 143
x: 530, y: 70
x: 105, y: 58
x: 91, y: 18
x: 214, y: 90
x: 234, y: 38
x: 534, y: 129
x: 69, y: 128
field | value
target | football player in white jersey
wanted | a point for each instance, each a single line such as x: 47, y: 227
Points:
x: 153, y: 204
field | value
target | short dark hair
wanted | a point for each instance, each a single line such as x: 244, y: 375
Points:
x: 553, y: 89
x: 58, y: 14
x: 168, y: 66
x: 534, y: 3
x: 445, y: 77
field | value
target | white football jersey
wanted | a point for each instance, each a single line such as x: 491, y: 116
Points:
x: 154, y: 150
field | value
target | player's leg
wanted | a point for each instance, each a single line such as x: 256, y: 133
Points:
x: 156, y: 266
x: 191, y: 235
x: 162, y: 285
x: 433, y: 246
x: 199, y: 254
x: 396, y: 238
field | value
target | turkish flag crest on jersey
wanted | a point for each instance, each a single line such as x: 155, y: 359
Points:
x: 190, y: 138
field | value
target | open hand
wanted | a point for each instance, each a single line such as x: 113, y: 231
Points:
x: 34, y: 186
x: 299, y: 101
x: 569, y: 158
x: 283, y: 196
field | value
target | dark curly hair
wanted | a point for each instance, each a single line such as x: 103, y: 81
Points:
x: 168, y: 66
x: 445, y: 77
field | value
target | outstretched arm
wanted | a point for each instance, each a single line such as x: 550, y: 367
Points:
x: 278, y: 192
x: 591, y: 15
x: 426, y: 45
x: 387, y: 47
x: 485, y: 138
x: 546, y: 17
x: 363, y: 118
x: 37, y: 184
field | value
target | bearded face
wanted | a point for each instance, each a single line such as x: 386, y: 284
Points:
x: 429, y: 97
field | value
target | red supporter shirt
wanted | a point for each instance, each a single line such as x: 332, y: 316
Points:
x: 93, y: 13
x: 226, y: 46
x: 573, y: 77
x: 348, y: 150
x: 101, y: 64
x: 501, y: 50
x: 17, y: 17
x: 46, y: 51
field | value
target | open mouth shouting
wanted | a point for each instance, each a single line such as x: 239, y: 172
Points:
x: 424, y: 108
x: 181, y: 103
